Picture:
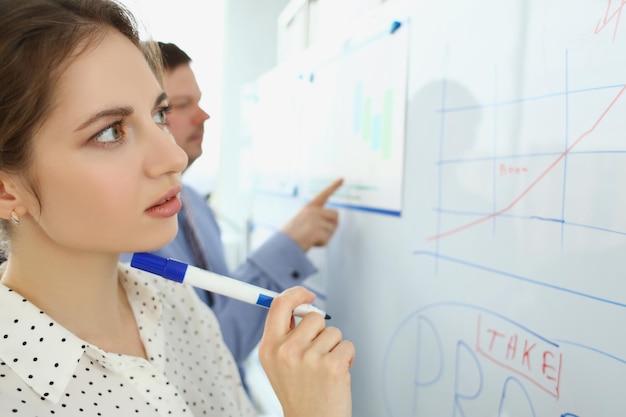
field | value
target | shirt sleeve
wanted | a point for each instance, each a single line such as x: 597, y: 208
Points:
x: 277, y: 264
x: 281, y: 260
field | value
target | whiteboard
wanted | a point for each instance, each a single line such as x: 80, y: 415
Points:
x: 499, y: 288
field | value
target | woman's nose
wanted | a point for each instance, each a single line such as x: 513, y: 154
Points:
x: 166, y: 157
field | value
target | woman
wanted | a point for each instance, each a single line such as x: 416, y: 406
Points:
x: 88, y: 171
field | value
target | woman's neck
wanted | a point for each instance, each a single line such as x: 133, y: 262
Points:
x: 81, y: 291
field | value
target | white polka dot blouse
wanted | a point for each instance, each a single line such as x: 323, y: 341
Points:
x: 47, y: 371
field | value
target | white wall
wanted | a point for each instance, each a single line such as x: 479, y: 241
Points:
x: 197, y: 27
x: 249, y: 50
x: 231, y: 43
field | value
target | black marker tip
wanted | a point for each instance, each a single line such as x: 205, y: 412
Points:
x: 327, y: 317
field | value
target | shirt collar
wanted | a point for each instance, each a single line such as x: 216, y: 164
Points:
x: 44, y: 354
x: 39, y: 350
x: 147, y: 307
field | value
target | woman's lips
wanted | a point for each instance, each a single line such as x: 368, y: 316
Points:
x: 167, y: 206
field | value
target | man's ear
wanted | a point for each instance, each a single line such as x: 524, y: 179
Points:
x: 10, y: 200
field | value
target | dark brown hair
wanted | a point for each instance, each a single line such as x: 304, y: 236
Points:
x: 172, y: 55
x: 38, y: 40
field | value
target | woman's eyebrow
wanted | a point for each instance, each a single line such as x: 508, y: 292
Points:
x: 123, y: 111
x: 114, y: 112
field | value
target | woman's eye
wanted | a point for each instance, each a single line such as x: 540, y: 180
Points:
x: 113, y: 133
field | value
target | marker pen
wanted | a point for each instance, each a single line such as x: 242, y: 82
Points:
x: 210, y: 281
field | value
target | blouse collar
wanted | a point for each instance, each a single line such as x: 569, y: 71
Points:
x: 38, y: 349
x: 45, y: 355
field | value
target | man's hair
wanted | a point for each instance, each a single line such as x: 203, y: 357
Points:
x: 172, y: 56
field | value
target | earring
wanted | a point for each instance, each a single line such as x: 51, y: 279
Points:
x: 14, y: 218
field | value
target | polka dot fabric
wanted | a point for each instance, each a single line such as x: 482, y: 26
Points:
x: 46, y: 370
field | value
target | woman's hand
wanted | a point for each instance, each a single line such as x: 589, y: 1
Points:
x: 308, y: 365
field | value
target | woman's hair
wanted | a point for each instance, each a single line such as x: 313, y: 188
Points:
x: 38, y: 41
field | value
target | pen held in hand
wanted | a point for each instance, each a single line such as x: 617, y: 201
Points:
x: 181, y: 272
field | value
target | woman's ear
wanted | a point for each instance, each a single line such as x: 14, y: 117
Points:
x: 10, y: 202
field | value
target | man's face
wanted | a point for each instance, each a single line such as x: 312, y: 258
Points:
x: 186, y: 120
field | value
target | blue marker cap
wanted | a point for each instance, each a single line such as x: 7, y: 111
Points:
x: 167, y: 268
x: 395, y: 26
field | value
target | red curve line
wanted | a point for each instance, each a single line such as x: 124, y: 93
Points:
x: 532, y: 185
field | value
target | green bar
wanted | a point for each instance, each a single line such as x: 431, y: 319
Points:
x: 367, y: 120
x: 387, y: 124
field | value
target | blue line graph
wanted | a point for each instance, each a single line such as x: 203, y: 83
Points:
x: 574, y: 162
x: 561, y: 156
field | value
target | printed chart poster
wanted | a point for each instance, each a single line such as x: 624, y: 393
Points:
x: 353, y: 120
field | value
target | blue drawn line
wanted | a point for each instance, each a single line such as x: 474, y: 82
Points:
x: 418, y: 358
x: 378, y: 35
x: 566, y: 158
x: 458, y: 397
x: 526, y: 99
x: 531, y: 217
x: 417, y: 313
x: 519, y: 277
x: 598, y: 228
x: 595, y: 350
x: 350, y: 47
x: 508, y: 381
x: 506, y: 215
x: 547, y: 219
x: 442, y: 128
x: 462, y: 212
x: 478, y: 308
x: 421, y: 315
x: 494, y: 180
x: 396, y: 213
x: 433, y: 328
x: 599, y: 152
x: 528, y: 155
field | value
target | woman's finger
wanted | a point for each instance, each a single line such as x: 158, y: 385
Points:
x: 279, y: 318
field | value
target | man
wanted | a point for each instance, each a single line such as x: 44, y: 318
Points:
x: 278, y: 264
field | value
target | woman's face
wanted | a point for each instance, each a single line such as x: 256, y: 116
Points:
x: 107, y: 171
